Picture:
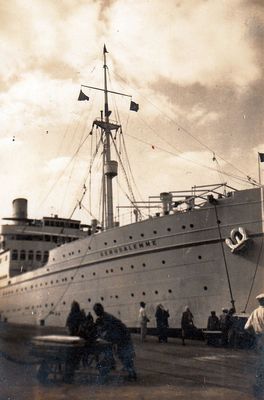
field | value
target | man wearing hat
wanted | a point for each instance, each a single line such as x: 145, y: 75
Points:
x: 255, y: 324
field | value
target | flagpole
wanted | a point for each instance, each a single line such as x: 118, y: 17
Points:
x: 259, y: 169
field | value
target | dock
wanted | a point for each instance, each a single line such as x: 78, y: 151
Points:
x: 165, y: 371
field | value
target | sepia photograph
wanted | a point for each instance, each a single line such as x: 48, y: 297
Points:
x: 132, y: 201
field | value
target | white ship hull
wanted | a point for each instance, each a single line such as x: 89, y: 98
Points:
x: 177, y: 260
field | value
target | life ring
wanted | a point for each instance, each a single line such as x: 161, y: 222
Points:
x: 237, y: 240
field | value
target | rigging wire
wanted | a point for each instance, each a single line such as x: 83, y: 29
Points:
x: 180, y: 127
x: 189, y: 160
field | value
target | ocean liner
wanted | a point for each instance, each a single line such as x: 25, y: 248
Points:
x: 203, y: 248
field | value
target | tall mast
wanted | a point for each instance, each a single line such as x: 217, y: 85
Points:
x: 110, y: 166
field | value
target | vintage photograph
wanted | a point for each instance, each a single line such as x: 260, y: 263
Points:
x: 132, y: 201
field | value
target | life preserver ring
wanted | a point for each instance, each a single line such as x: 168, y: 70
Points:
x: 237, y: 240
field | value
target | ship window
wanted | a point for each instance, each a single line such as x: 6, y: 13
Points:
x: 31, y: 255
x: 107, y: 271
x: 142, y: 235
x: 143, y: 294
x: 72, y: 278
x: 102, y: 298
x: 94, y: 273
x: 105, y: 243
x: 205, y: 287
x: 191, y: 225
x: 170, y: 291
x: 200, y: 257
x: 46, y: 256
x: 114, y: 241
x: 14, y: 255
x: 132, y: 294
x: 111, y: 270
x: 130, y: 237
x: 22, y: 255
x: 143, y: 265
x: 218, y: 221
x: 183, y: 226
x: 64, y: 303
x: 163, y: 261
x: 132, y: 266
x: 79, y: 251
x: 82, y: 276
x: 156, y: 292
x: 89, y: 248
x: 155, y: 232
x: 89, y: 300
x: 116, y: 296
x: 38, y: 255
x: 168, y: 229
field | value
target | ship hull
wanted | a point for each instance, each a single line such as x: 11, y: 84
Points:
x: 177, y: 260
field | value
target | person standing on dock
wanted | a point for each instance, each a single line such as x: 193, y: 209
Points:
x: 74, y: 319
x: 255, y: 324
x: 162, y: 317
x: 116, y: 332
x: 143, y: 321
x: 187, y: 324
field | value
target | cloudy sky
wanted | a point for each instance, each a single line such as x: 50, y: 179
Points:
x: 195, y: 67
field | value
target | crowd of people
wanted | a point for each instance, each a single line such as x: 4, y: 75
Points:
x: 116, y: 333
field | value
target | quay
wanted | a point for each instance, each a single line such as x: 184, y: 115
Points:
x: 165, y: 371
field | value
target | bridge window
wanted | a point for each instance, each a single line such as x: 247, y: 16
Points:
x: 46, y: 256
x: 22, y: 255
x: 31, y: 255
x: 38, y: 255
x: 14, y: 255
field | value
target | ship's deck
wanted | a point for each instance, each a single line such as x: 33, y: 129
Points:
x: 165, y: 371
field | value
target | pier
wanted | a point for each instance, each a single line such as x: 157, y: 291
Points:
x: 165, y: 371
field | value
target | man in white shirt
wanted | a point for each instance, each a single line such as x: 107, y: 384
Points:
x: 255, y: 324
x: 143, y: 320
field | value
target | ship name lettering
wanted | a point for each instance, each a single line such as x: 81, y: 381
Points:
x: 134, y: 246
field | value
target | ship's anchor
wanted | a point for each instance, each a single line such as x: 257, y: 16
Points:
x: 237, y: 240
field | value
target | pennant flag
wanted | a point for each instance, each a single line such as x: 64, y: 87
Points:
x: 134, y: 106
x: 82, y: 96
x: 261, y: 157
x: 105, y: 51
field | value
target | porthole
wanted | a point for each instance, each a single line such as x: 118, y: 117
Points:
x: 131, y: 266
x: 183, y: 226
x: 132, y: 294
x: 56, y: 282
x: 205, y: 287
x: 168, y: 229
x: 46, y: 305
x: 191, y: 225
x: 72, y: 278
x: 156, y: 292
x: 111, y: 270
x: 170, y: 291
x: 155, y: 232
x: 163, y: 261
x: 143, y: 265
x: 94, y: 273
x: 51, y: 282
x: 79, y: 251
x: 102, y: 299
x: 105, y: 243
x: 89, y: 248
x: 114, y: 241
x: 107, y: 271
x: 52, y: 304
x: 142, y: 235
x: 63, y: 303
x: 218, y: 221
x: 82, y: 276
x: 130, y: 237
x: 200, y: 257
x: 89, y: 300
x: 116, y: 296
x: 143, y: 294
x: 121, y: 268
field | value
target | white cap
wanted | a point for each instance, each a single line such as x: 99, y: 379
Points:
x: 260, y: 296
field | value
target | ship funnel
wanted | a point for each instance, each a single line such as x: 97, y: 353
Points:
x: 166, y: 199
x: 20, y: 208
